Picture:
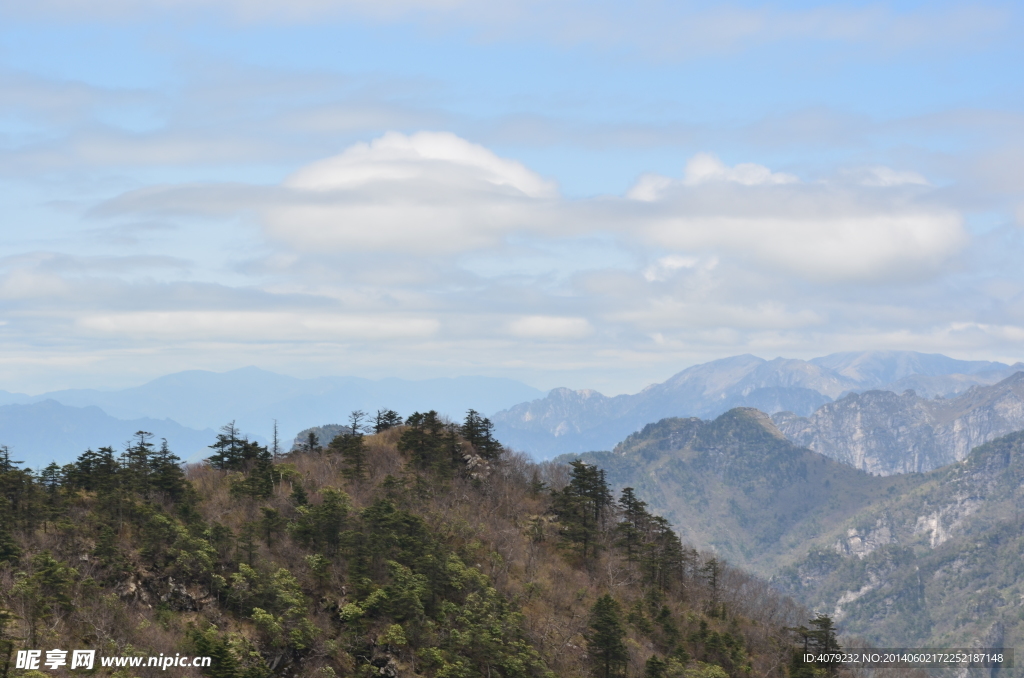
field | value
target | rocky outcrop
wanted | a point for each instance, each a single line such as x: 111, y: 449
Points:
x: 936, y: 565
x: 885, y: 433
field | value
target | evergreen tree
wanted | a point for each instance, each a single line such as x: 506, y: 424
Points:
x: 135, y: 464
x: 6, y: 642
x: 606, y: 639
x: 478, y: 431
x: 581, y: 507
x: 655, y: 667
x: 634, y: 525
x: 386, y: 419
x: 312, y: 443
x: 352, y: 448
x: 712, y: 572
x: 228, y: 449
x: 275, y: 443
x: 423, y: 440
x: 272, y: 524
x: 166, y: 475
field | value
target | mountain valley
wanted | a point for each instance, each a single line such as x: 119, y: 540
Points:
x: 914, y: 560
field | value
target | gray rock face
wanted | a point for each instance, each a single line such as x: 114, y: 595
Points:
x: 885, y: 433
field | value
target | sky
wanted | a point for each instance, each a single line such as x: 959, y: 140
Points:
x: 592, y: 195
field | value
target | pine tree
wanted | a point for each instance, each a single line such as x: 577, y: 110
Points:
x: 228, y: 455
x: 386, y: 419
x: 166, y: 475
x: 581, y: 507
x: 135, y: 465
x: 424, y: 440
x: 655, y: 667
x: 479, y: 432
x: 606, y: 640
x: 634, y: 525
x: 352, y: 448
x: 712, y: 572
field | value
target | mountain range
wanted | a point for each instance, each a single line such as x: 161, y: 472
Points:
x: 578, y: 421
x: 913, y: 560
x: 832, y: 405
x: 884, y: 433
x: 41, y: 432
x: 195, y: 403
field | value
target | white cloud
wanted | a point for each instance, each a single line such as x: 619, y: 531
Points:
x: 822, y: 231
x: 428, y: 192
x: 886, y: 176
x: 665, y: 267
x: 437, y: 194
x: 550, y: 327
x: 256, y: 325
x: 705, y: 167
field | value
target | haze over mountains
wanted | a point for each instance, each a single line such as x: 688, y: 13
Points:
x: 563, y: 420
x: 253, y: 398
x: 578, y: 421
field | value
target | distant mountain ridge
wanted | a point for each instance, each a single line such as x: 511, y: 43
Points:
x: 41, y: 432
x: 884, y: 433
x: 200, y: 402
x: 567, y: 421
x: 254, y: 398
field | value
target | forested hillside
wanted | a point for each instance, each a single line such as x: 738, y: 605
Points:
x: 916, y: 560
x: 735, y: 485
x: 941, y: 565
x: 420, y: 549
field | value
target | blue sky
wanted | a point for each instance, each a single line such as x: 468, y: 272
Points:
x: 585, y: 194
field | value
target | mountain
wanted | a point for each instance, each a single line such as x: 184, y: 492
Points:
x: 885, y: 433
x: 916, y: 560
x: 427, y: 561
x: 937, y: 567
x: 567, y: 421
x: 254, y: 398
x: 872, y: 369
x: 46, y: 431
x: 737, y: 486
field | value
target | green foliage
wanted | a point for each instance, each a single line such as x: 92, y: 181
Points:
x: 479, y: 433
x: 582, y: 508
x: 234, y: 452
x: 352, y: 448
x: 272, y: 576
x: 606, y: 640
x: 386, y: 419
x: 320, y: 527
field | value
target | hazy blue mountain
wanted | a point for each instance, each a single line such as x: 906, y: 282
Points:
x: 8, y: 398
x: 253, y: 398
x: 567, y: 421
x: 46, y: 431
x: 871, y: 369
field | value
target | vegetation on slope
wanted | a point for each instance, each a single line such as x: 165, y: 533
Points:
x: 941, y: 565
x: 921, y: 560
x: 736, y: 485
x: 421, y: 549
